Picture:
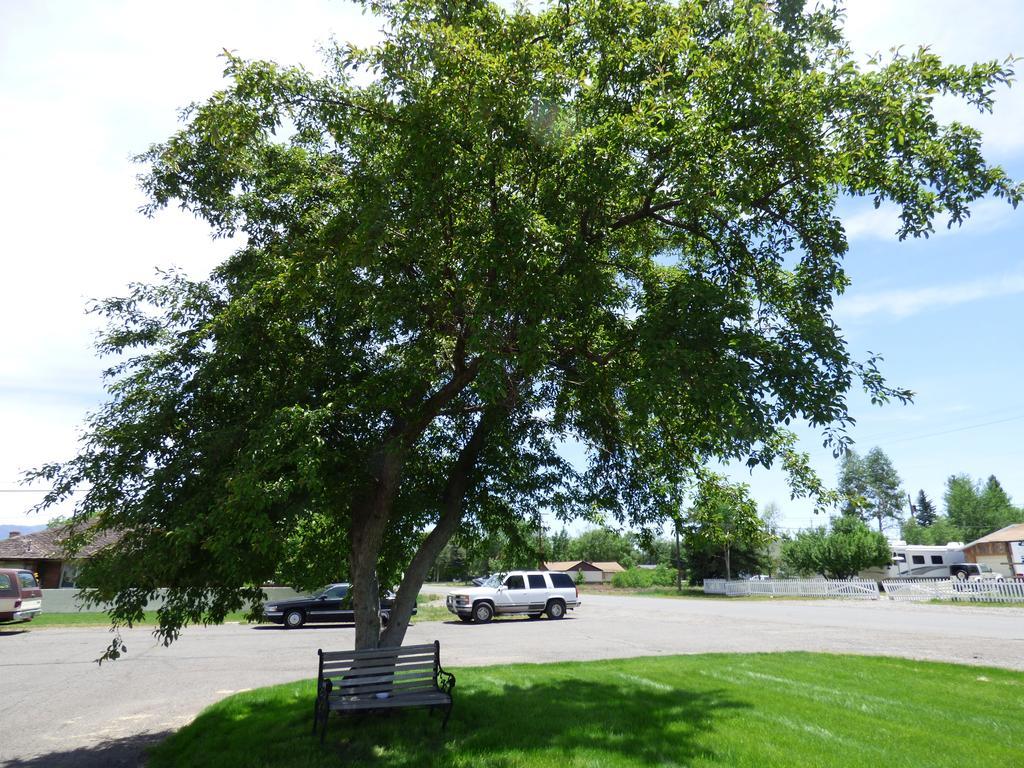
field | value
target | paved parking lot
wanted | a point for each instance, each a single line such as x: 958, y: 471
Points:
x: 58, y: 708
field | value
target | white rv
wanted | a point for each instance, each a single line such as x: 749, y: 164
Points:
x: 907, y: 557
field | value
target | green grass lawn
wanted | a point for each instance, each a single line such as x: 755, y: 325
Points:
x: 726, y: 710
x: 93, y: 619
x: 424, y: 612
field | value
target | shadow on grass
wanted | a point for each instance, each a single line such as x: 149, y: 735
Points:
x: 115, y: 753
x: 643, y: 724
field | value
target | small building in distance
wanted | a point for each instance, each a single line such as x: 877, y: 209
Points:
x: 1002, y: 551
x: 44, y: 554
x: 593, y: 573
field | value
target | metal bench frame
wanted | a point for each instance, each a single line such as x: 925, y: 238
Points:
x: 381, y: 680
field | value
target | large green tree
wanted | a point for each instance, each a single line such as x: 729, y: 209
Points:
x: 603, y: 545
x: 978, y: 509
x: 611, y: 222
x: 722, y: 526
x: 840, y: 553
x: 870, y: 486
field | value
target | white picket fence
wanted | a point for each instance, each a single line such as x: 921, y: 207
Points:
x: 983, y: 591
x: 843, y: 589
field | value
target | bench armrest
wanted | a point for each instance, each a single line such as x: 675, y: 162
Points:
x: 323, y: 691
x: 445, y: 681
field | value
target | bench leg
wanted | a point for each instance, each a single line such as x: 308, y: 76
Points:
x: 316, y: 713
x: 323, y: 725
x: 447, y: 714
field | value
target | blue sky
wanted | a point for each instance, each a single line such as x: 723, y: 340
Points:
x: 83, y: 86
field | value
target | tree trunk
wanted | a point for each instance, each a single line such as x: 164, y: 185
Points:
x: 460, y: 480
x: 372, y: 509
x: 679, y: 563
x: 728, y: 570
x: 369, y: 521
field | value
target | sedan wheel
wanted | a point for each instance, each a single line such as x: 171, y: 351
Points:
x: 294, y: 619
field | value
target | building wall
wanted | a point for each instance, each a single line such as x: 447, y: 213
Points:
x: 994, y: 554
x: 998, y: 563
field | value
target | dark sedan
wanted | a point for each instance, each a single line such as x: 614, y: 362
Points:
x: 333, y: 604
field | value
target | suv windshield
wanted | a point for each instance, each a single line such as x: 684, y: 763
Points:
x: 493, y: 581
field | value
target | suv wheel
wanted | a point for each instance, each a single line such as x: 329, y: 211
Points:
x: 556, y: 609
x: 294, y: 619
x: 961, y: 575
x: 482, y: 613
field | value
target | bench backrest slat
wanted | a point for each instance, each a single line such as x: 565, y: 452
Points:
x: 397, y: 663
x: 353, y: 684
x: 377, y: 653
x: 356, y: 672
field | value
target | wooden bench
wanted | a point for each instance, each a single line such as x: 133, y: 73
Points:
x: 381, y: 679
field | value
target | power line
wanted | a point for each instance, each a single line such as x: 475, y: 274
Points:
x: 958, y: 429
x: 1001, y: 415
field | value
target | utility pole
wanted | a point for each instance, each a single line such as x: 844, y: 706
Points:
x: 679, y: 562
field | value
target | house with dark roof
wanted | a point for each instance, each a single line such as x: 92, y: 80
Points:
x: 44, y: 553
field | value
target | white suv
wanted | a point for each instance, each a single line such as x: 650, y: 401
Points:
x: 529, y: 592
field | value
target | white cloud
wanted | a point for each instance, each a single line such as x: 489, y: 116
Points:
x: 912, y: 301
x: 961, y: 33
x: 883, y: 222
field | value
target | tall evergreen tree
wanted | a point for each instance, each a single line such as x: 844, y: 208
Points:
x: 924, y: 510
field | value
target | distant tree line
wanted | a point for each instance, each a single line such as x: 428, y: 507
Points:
x: 973, y: 509
x: 871, y: 492
x: 722, y: 534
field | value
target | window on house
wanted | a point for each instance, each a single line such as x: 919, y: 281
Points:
x: 918, y: 559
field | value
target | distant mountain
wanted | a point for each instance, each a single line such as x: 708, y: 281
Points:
x: 5, y: 530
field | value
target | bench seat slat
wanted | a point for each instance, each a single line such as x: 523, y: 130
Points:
x: 383, y: 688
x: 372, y: 702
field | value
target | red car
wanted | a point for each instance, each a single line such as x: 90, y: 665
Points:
x: 21, y: 599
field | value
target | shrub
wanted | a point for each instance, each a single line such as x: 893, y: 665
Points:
x: 636, y: 578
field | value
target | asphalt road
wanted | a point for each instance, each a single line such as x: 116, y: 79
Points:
x: 58, y: 708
